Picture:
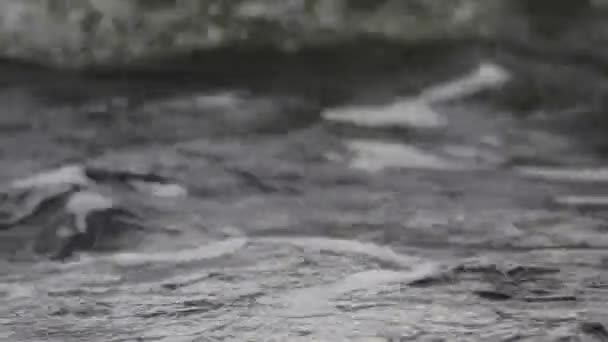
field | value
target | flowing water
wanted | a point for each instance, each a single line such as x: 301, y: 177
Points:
x: 392, y: 199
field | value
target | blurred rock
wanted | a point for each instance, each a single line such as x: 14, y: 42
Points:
x: 117, y: 32
x: 96, y: 33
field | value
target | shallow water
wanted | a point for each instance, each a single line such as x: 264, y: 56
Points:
x: 310, y: 229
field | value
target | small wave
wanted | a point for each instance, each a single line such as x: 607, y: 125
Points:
x: 373, y: 278
x: 417, y: 111
x: 564, y: 174
x: 160, y: 190
x: 374, y: 156
x: 582, y: 201
x: 341, y: 246
x: 487, y: 76
x: 408, y: 112
x: 317, y: 300
x: 69, y: 174
x: 17, y: 290
x: 208, y: 251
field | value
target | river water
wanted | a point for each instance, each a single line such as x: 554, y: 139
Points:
x: 387, y: 197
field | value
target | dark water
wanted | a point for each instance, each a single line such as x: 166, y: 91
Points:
x: 445, y: 226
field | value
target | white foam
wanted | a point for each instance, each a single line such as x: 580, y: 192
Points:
x: 209, y: 251
x: 375, y: 156
x: 566, y: 174
x: 69, y: 174
x: 417, y: 112
x: 486, y: 76
x: 18, y: 290
x: 160, y: 190
x: 408, y: 112
x: 80, y: 204
x: 220, y: 100
x: 582, y: 201
x: 374, y: 278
